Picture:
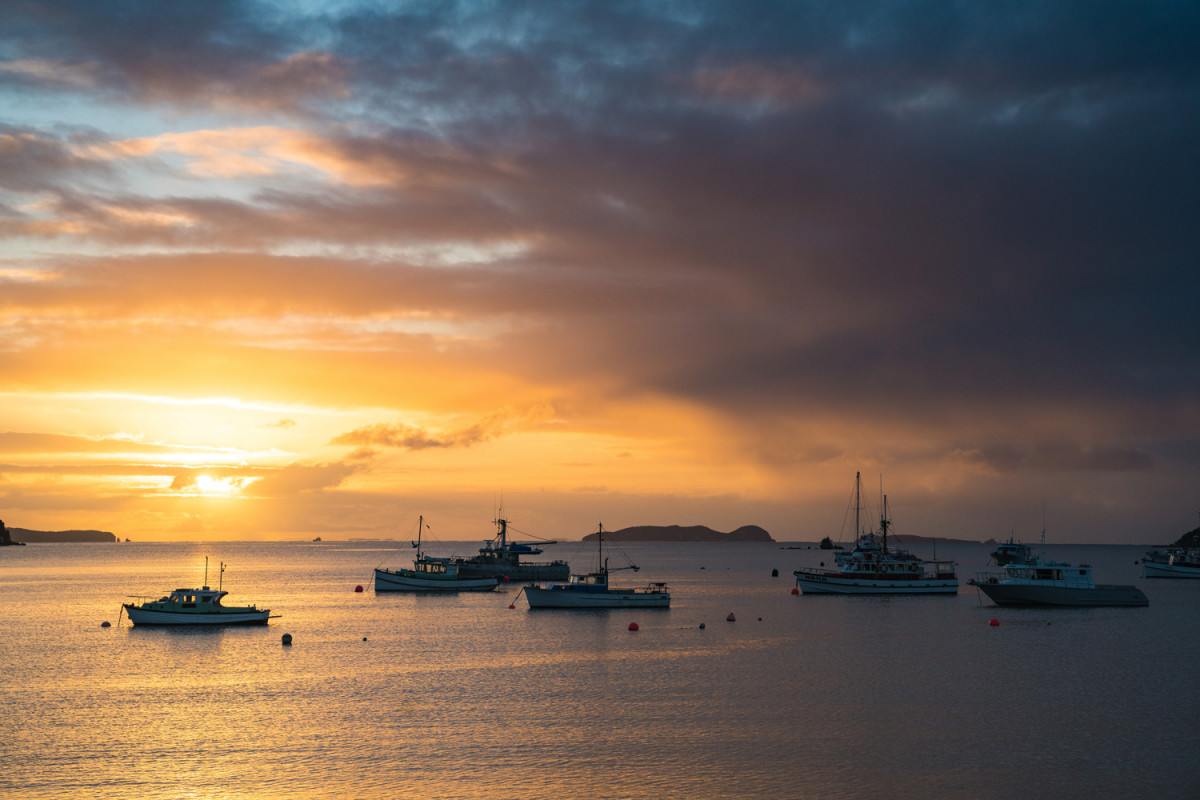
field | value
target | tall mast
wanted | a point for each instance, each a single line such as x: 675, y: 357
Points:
x: 600, y: 549
x: 883, y: 524
x: 857, y: 504
x: 417, y: 543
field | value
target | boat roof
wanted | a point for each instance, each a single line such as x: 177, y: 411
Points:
x: 204, y: 590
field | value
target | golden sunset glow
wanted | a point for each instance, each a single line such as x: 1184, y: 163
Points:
x: 708, y: 287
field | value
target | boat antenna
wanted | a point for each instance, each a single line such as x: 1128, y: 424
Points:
x: 600, y: 549
x: 1043, y: 527
x: 221, y: 578
x: 206, y: 572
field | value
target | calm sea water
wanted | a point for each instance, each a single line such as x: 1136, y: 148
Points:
x: 463, y: 697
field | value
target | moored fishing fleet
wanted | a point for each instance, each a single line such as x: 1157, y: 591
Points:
x: 876, y: 563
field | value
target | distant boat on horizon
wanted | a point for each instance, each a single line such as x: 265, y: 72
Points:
x: 1176, y: 562
x: 1011, y: 552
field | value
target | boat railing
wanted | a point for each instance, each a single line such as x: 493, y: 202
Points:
x: 1069, y: 580
x: 871, y: 574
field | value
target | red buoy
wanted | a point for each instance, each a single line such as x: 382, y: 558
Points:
x: 731, y: 617
x: 994, y: 622
x: 358, y: 588
x: 795, y: 590
x: 512, y: 605
x: 633, y: 626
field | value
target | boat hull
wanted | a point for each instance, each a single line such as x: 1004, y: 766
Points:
x: 816, y: 582
x: 409, y: 581
x: 1163, y: 569
x: 141, y: 616
x: 1006, y: 594
x: 543, y: 597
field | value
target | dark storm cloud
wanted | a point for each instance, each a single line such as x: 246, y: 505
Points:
x: 1062, y: 456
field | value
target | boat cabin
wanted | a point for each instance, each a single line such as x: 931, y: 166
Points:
x: 435, y: 566
x: 1050, y: 573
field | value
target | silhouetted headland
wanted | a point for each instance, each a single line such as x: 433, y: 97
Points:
x: 682, y: 533
x: 23, y: 535
x: 1188, y: 540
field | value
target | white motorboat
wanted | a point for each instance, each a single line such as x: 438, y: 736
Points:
x: 430, y: 574
x: 874, y: 567
x: 195, y: 607
x: 1042, y: 582
x: 592, y: 590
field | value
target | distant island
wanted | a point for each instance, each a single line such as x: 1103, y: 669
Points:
x: 907, y: 538
x: 23, y: 535
x: 682, y: 533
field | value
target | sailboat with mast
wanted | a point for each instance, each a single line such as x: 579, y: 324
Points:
x: 875, y: 567
x: 592, y: 590
x: 430, y: 574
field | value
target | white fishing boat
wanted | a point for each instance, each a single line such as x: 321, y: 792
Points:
x: 1011, y: 552
x: 592, y: 590
x: 430, y: 574
x: 195, y: 607
x: 1176, y: 562
x: 874, y: 567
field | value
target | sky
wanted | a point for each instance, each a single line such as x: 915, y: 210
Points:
x: 279, y: 270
